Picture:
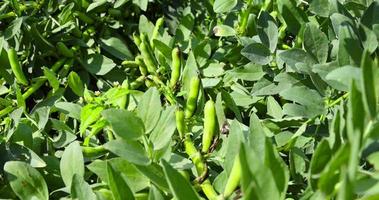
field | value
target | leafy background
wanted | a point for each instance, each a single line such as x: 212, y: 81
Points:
x: 294, y: 83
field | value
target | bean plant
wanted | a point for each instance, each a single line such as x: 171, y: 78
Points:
x: 189, y: 99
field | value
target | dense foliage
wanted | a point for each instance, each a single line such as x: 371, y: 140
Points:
x: 190, y: 99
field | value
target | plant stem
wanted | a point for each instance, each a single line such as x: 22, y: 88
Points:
x: 338, y: 100
x: 6, y: 110
x: 40, y: 82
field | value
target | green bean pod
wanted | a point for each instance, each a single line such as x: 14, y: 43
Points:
x: 64, y: 50
x: 175, y: 70
x: 158, y: 25
x: 83, y: 17
x: 209, y: 125
x: 137, y: 83
x: 93, y: 151
x: 16, y: 67
x: 66, y: 68
x: 234, y: 178
x: 194, y: 155
x: 125, y: 99
x: 142, y: 65
x: 180, y: 124
x: 129, y: 64
x: 136, y: 39
x: 148, y: 55
x: 192, y: 97
x: 114, y: 12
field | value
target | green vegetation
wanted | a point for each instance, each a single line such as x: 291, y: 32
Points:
x: 190, y: 99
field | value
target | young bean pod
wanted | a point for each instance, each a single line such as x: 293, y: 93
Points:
x: 148, y: 55
x: 180, y: 124
x: 16, y: 67
x: 83, y: 17
x: 209, y: 125
x: 142, y: 66
x: 136, y: 39
x: 93, y: 151
x: 158, y: 25
x: 137, y: 83
x: 234, y: 178
x: 64, y: 50
x: 123, y: 102
x: 192, y: 97
x: 175, y: 70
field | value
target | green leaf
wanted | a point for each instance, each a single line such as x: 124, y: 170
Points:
x: 273, y: 108
x: 13, y: 28
x: 125, y: 124
x: 316, y: 42
x: 155, y: 173
x: 155, y: 194
x: 330, y: 175
x: 118, y: 186
x: 297, y: 59
x: 98, y: 64
x: 132, y: 151
x: 95, y: 4
x: 150, y: 117
x: 268, y: 30
x: 144, y: 25
x: 179, y: 186
x: 310, y: 99
x: 368, y: 80
x: 320, y: 7
x: 22, y: 153
x: 340, y: 78
x: 142, y: 4
x: 80, y: 189
x: 369, y: 39
x: 163, y: 48
x: 51, y: 77
x: 75, y: 83
x: 89, y: 114
x: 133, y: 177
x: 370, y: 16
x: 220, y: 6
x: 349, y: 49
x: 185, y: 28
x: 293, y: 16
x: 71, y: 163
x: 119, y: 3
x: 116, y: 47
x: 356, y: 114
x: 249, y: 72
x: 223, y: 31
x: 257, y: 53
x: 166, y: 126
x: 71, y: 109
x: 26, y: 181
x: 320, y: 158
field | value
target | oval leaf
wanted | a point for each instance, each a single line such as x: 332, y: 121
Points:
x: 26, y: 181
x: 126, y: 125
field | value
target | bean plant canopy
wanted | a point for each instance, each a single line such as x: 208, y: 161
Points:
x: 189, y: 99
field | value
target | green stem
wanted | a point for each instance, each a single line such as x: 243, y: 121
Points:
x: 338, y: 100
x: 6, y: 110
x: 200, y: 166
x: 40, y: 82
x: 245, y: 18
